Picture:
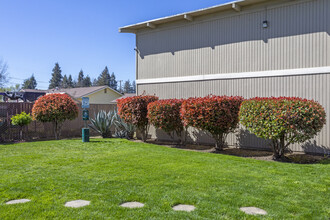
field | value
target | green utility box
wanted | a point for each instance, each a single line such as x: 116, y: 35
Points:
x: 85, y: 134
x: 85, y: 115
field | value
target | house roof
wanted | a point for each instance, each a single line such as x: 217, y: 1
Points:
x: 80, y: 92
x: 74, y: 92
x: 34, y: 90
x: 126, y: 95
x: 189, y: 16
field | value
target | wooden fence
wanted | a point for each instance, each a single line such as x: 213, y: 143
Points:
x: 38, y: 130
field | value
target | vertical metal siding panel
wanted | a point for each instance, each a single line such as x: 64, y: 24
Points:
x: 309, y: 86
x: 298, y: 37
x: 274, y: 48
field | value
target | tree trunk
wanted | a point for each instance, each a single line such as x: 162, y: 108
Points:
x: 57, y: 129
x: 220, y: 141
x: 171, y: 134
x: 179, y: 135
x: 143, y: 134
x: 182, y: 136
x: 185, y: 135
x: 279, y: 148
x: 21, y: 132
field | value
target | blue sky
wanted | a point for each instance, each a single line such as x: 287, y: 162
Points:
x: 79, y: 34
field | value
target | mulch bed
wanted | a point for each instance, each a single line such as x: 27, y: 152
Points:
x: 293, y: 157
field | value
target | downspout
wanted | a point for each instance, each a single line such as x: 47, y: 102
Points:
x: 136, y: 64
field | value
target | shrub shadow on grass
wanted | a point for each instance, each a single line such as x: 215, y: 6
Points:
x: 325, y: 162
x: 266, y: 155
x: 104, y: 140
x: 245, y: 152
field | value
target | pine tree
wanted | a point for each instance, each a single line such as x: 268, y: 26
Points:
x: 133, y: 86
x: 104, y: 78
x: 113, y: 81
x: 87, y: 82
x: 65, y: 82
x: 56, y: 79
x: 3, y: 73
x: 80, y: 82
x: 70, y: 82
x: 95, y: 82
x: 29, y: 83
x: 75, y: 84
x: 127, y: 87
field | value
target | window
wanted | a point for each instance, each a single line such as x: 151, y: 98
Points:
x: 105, y: 90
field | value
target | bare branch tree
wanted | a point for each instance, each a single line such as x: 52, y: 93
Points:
x: 3, y: 73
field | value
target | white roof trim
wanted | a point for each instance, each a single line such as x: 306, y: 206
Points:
x: 271, y: 73
x: 183, y: 16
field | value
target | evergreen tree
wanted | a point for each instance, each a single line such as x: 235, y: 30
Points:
x: 95, y: 82
x: 29, y: 83
x: 80, y: 82
x: 87, y: 82
x: 65, y: 82
x: 70, y: 82
x: 75, y: 84
x: 104, y: 78
x: 56, y: 79
x: 133, y: 86
x: 127, y: 87
x: 3, y: 73
x: 113, y: 81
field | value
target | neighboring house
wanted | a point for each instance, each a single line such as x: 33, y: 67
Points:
x: 96, y: 94
x: 248, y: 48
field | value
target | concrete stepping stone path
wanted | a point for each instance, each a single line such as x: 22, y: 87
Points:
x: 77, y: 203
x: 185, y: 208
x: 17, y: 201
x: 253, y: 211
x: 132, y: 205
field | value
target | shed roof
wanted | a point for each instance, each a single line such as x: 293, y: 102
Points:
x: 235, y: 5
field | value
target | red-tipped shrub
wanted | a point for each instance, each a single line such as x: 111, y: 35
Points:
x: 283, y: 120
x: 55, y: 108
x: 165, y: 115
x: 216, y: 114
x: 134, y: 110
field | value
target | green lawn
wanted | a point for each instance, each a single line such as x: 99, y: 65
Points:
x: 110, y: 172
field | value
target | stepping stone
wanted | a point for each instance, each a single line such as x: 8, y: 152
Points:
x: 185, y: 208
x: 77, y: 203
x: 17, y: 201
x: 132, y: 205
x: 253, y: 211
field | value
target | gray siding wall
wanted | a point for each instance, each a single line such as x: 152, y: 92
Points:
x: 232, y: 42
x: 315, y: 87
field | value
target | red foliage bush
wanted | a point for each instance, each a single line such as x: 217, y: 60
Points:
x: 284, y: 120
x: 134, y: 110
x: 216, y: 114
x: 165, y: 115
x: 55, y: 108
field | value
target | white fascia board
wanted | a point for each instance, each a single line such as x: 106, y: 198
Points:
x: 272, y: 73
